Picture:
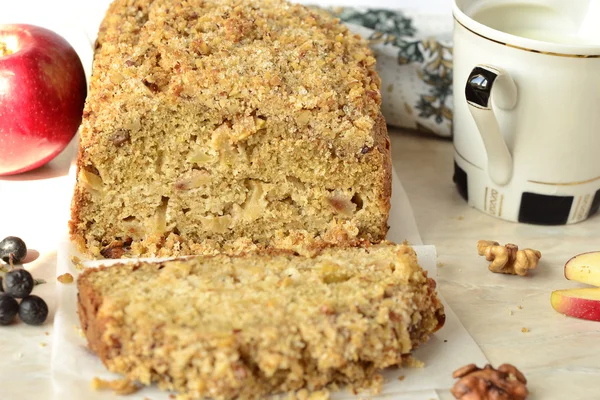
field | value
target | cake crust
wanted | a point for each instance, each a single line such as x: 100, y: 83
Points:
x: 260, y: 324
x: 229, y: 126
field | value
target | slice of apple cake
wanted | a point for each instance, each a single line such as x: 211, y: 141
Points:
x: 243, y: 327
x: 229, y: 126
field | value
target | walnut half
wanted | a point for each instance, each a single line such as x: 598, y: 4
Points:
x: 508, y: 259
x: 504, y: 383
x: 116, y: 249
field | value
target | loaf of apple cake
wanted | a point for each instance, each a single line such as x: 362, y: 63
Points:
x: 223, y: 327
x: 229, y: 126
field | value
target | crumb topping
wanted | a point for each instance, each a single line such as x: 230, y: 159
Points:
x: 232, y: 327
x: 267, y: 59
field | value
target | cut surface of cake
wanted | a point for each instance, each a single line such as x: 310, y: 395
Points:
x: 243, y: 327
x: 228, y: 126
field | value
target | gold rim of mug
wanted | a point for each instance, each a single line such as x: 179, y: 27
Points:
x: 548, y: 53
x: 576, y: 183
x: 566, y: 183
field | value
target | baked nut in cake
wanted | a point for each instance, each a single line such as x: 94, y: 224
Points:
x: 229, y: 126
x: 247, y: 326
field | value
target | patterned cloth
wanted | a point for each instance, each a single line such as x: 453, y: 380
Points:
x: 414, y: 60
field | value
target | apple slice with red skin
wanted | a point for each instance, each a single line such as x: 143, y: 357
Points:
x: 579, y: 303
x: 42, y: 94
x: 584, y: 268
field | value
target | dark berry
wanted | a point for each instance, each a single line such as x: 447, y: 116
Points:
x: 33, y: 310
x: 18, y: 283
x: 15, y: 247
x: 8, y: 309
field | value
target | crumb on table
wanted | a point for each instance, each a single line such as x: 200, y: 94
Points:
x: 79, y: 331
x: 65, y: 278
x: 76, y: 261
x: 119, y: 386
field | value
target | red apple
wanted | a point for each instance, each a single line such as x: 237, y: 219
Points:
x: 579, y: 303
x: 584, y: 268
x: 42, y: 93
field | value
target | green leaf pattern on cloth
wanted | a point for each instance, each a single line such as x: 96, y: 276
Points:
x: 423, y: 62
x: 384, y: 22
x: 437, y: 74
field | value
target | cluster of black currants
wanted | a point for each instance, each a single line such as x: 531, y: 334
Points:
x: 18, y: 284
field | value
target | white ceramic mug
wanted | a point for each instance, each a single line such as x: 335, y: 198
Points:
x: 527, y: 108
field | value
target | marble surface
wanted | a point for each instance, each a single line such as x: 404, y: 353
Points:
x: 559, y: 355
x: 33, y: 206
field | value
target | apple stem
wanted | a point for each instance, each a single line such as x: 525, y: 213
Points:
x: 4, y: 50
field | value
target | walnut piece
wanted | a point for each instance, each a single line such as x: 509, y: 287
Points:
x: 504, y: 383
x: 116, y: 249
x: 120, y: 137
x: 508, y: 259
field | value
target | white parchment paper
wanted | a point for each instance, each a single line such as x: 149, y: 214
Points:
x: 74, y: 366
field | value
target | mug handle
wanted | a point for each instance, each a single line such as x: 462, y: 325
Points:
x: 478, y: 91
